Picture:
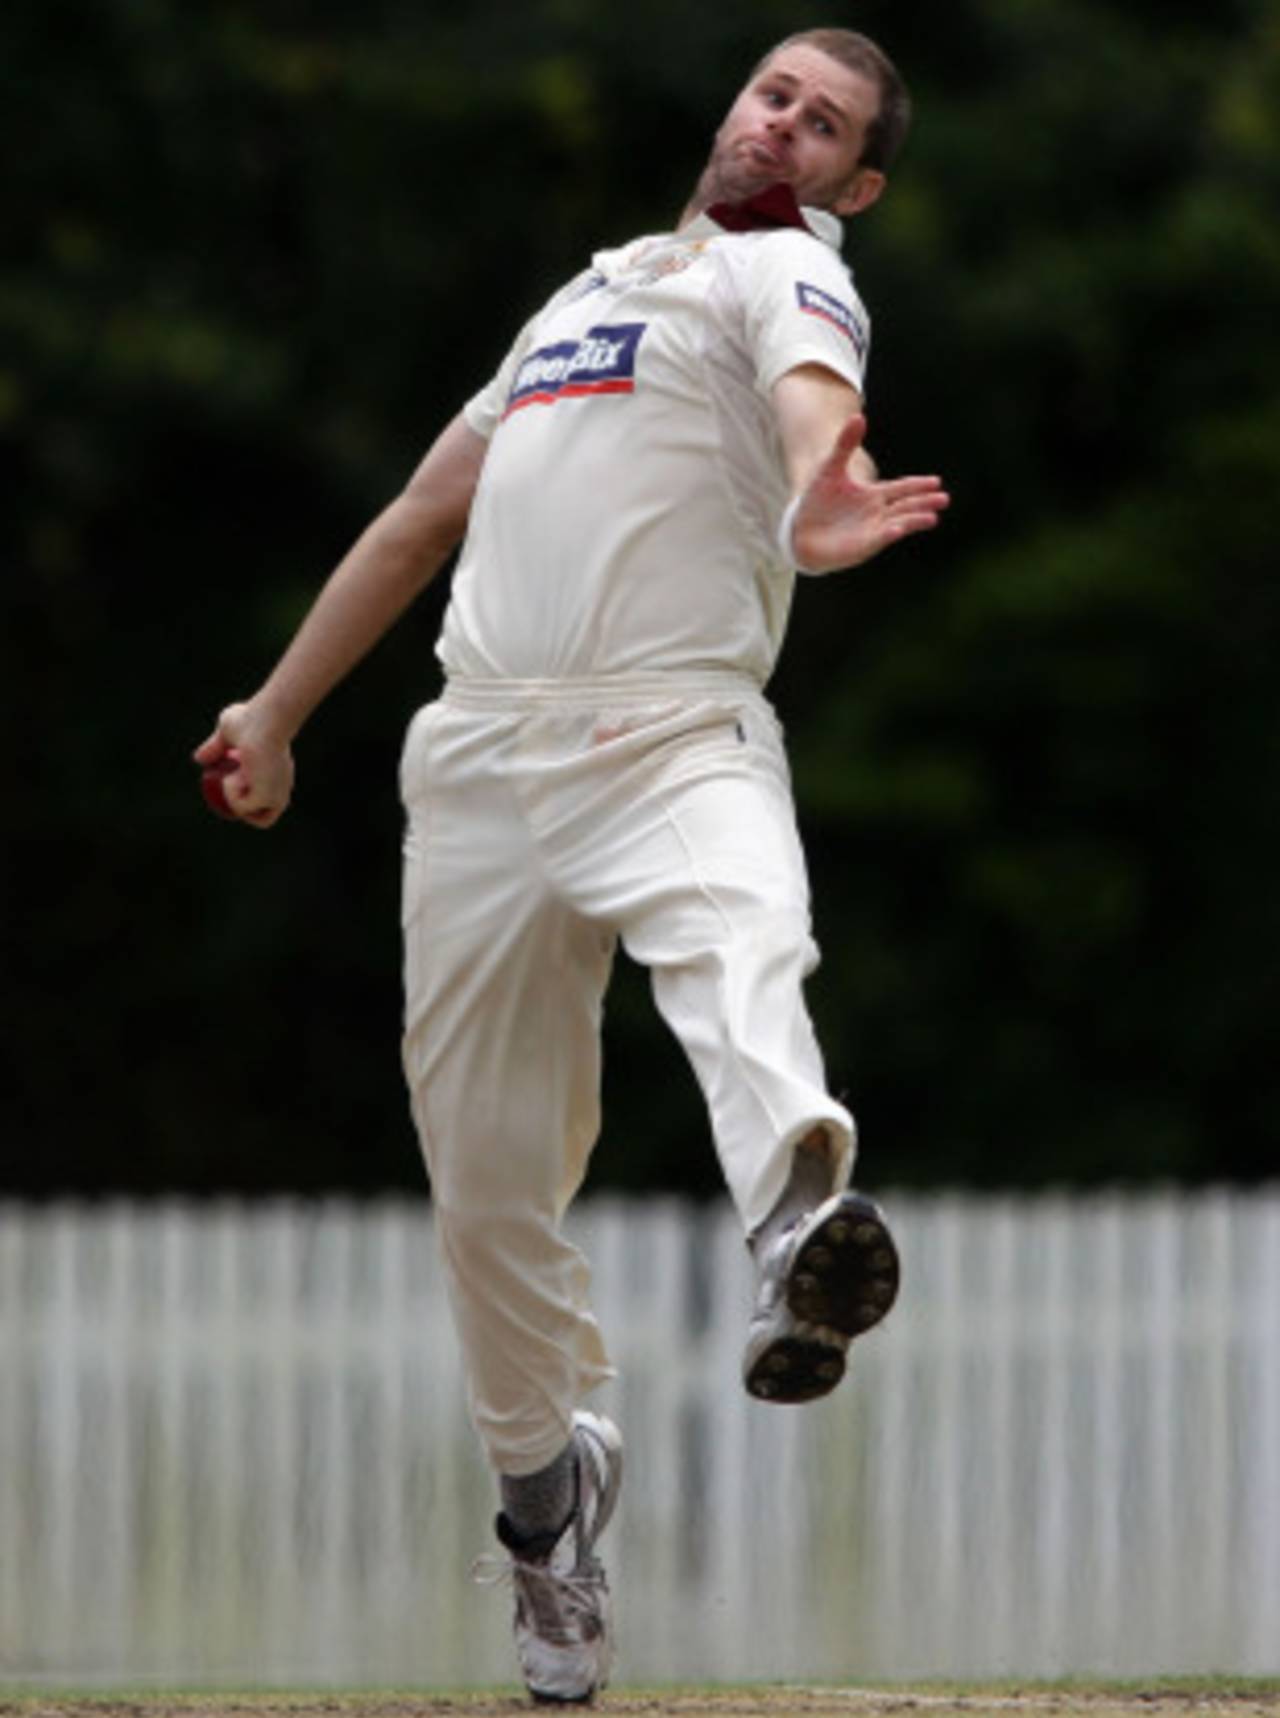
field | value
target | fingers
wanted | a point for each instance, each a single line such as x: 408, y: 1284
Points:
x: 235, y: 788
x: 257, y: 801
x: 906, y: 488
x: 926, y: 506
x: 905, y: 524
x: 246, y: 772
x: 209, y: 751
x: 224, y: 782
x: 848, y: 514
x: 238, y: 793
x: 223, y: 739
x: 916, y: 508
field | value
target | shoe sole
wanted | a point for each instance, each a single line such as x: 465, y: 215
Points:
x: 843, y: 1279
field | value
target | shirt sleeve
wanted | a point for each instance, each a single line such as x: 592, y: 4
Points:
x: 484, y: 411
x: 801, y: 307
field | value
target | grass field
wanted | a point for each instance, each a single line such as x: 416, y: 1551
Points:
x: 1236, y: 1697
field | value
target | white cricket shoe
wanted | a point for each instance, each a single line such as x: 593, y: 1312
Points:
x: 829, y: 1277
x: 563, y: 1626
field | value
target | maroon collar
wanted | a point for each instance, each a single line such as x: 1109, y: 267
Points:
x: 775, y: 206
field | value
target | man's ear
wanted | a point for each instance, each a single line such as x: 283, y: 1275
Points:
x: 862, y: 191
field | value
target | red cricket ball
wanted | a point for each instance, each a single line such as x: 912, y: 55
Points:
x: 211, y: 780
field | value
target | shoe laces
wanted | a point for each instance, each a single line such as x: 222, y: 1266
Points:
x: 558, y: 1602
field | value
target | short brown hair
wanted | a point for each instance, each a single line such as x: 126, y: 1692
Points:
x: 887, y: 131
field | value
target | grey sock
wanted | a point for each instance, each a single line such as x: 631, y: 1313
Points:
x: 542, y: 1503
x: 807, y: 1186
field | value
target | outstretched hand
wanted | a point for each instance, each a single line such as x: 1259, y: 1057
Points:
x: 258, y: 782
x: 846, y: 516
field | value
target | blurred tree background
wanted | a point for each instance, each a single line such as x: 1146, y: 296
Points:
x: 254, y: 256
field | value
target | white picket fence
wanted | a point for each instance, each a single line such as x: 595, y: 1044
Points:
x: 233, y: 1449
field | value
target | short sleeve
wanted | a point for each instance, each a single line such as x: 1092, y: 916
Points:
x: 802, y: 307
x: 485, y: 410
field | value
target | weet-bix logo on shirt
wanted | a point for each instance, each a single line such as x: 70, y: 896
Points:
x: 602, y: 362
x: 815, y: 302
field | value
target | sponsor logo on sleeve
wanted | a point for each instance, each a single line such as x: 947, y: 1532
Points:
x: 603, y: 361
x: 815, y: 302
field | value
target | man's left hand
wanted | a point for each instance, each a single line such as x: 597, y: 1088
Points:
x: 846, y: 515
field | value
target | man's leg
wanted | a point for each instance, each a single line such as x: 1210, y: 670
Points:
x: 707, y: 879
x: 503, y: 988
x: 701, y: 868
x: 501, y: 1049
x: 827, y: 1268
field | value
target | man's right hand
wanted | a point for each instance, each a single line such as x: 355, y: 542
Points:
x: 258, y: 789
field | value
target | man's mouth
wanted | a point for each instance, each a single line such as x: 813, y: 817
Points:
x: 766, y: 155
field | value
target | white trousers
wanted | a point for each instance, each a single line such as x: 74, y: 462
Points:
x: 543, y: 824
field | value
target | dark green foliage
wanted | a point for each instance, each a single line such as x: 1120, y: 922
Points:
x: 253, y: 258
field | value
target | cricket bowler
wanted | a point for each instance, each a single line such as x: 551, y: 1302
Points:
x: 669, y: 439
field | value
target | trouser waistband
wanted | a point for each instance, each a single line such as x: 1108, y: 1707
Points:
x: 599, y: 691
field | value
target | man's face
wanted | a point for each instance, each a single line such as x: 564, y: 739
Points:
x: 802, y: 118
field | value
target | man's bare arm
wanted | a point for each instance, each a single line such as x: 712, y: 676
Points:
x: 844, y: 513
x: 389, y: 565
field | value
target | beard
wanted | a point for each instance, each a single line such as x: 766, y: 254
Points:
x: 730, y: 176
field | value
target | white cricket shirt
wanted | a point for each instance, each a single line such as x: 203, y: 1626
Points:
x: 626, y: 516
